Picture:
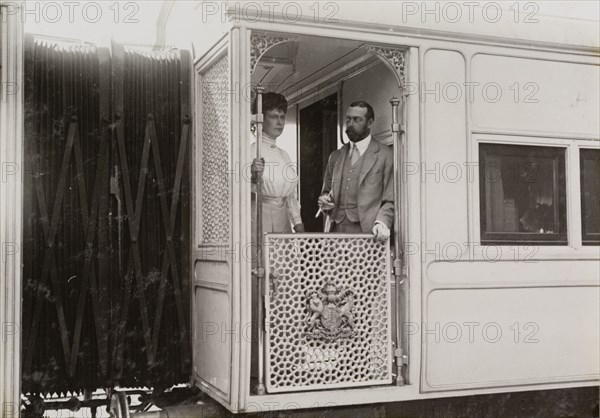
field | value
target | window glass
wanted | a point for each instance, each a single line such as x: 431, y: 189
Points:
x: 522, y: 194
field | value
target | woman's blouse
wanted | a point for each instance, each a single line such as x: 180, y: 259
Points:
x: 279, y: 179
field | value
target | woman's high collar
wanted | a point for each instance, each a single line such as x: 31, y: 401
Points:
x: 269, y: 141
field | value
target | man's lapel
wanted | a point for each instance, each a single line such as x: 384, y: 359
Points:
x: 337, y: 173
x: 370, y: 158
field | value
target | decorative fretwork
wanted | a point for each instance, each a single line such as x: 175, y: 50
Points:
x: 328, y: 321
x: 261, y: 42
x: 394, y: 58
x: 215, y: 154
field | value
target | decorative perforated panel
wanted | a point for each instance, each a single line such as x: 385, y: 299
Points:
x: 328, y: 320
x: 215, y: 154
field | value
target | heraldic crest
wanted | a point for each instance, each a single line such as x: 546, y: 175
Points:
x: 330, y: 313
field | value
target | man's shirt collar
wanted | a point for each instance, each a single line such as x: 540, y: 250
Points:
x: 363, y: 144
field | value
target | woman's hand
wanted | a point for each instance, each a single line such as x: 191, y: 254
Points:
x: 257, y: 168
x: 299, y: 228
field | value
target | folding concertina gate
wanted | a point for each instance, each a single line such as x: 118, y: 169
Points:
x: 106, y: 219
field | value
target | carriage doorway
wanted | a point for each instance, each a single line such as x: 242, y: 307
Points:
x: 318, y: 139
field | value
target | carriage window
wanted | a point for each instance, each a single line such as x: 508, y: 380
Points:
x: 522, y: 194
x: 589, y: 160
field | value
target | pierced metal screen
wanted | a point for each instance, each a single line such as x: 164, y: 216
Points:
x: 215, y: 154
x: 328, y: 313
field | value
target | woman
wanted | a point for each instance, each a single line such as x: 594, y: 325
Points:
x: 280, y: 207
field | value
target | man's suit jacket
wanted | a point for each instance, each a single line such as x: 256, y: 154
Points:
x: 375, y: 198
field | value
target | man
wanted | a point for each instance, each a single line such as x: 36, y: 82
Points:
x: 358, y: 186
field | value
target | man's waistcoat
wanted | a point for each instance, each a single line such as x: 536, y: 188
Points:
x: 349, y: 191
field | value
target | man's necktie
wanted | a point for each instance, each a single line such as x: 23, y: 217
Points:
x: 353, y: 154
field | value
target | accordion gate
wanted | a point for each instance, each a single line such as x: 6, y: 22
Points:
x: 328, y: 312
x: 107, y: 211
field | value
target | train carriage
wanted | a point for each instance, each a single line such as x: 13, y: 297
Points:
x: 490, y: 281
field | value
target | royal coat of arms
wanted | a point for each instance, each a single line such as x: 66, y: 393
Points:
x: 330, y: 313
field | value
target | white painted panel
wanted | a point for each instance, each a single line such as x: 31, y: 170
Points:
x: 442, y: 170
x: 572, y: 22
x: 513, y: 271
x: 535, y: 95
x: 212, y: 272
x: 189, y: 26
x: 377, y: 86
x: 212, y: 337
x: 519, y: 336
x: 215, y: 364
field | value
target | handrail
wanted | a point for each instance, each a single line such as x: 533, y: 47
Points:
x: 260, y: 271
x: 398, y: 241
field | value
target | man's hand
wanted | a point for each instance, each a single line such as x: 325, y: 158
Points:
x: 299, y: 228
x: 325, y: 202
x: 257, y: 168
x: 381, y: 232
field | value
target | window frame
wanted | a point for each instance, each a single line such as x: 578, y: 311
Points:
x: 560, y: 155
x: 587, y: 239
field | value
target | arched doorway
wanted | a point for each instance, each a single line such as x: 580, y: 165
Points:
x: 320, y: 77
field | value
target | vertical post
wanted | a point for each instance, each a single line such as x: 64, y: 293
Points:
x: 398, y: 242
x: 11, y: 206
x: 260, y: 271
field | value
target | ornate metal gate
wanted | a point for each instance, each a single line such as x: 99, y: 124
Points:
x: 328, y: 319
x: 106, y: 222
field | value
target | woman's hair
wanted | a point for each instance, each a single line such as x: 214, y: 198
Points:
x: 270, y: 101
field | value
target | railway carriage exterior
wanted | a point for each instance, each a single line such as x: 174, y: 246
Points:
x: 490, y: 282
x: 493, y: 118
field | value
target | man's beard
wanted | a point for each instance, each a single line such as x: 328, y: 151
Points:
x: 355, y: 136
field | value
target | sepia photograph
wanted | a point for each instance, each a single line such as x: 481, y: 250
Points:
x: 296, y: 209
